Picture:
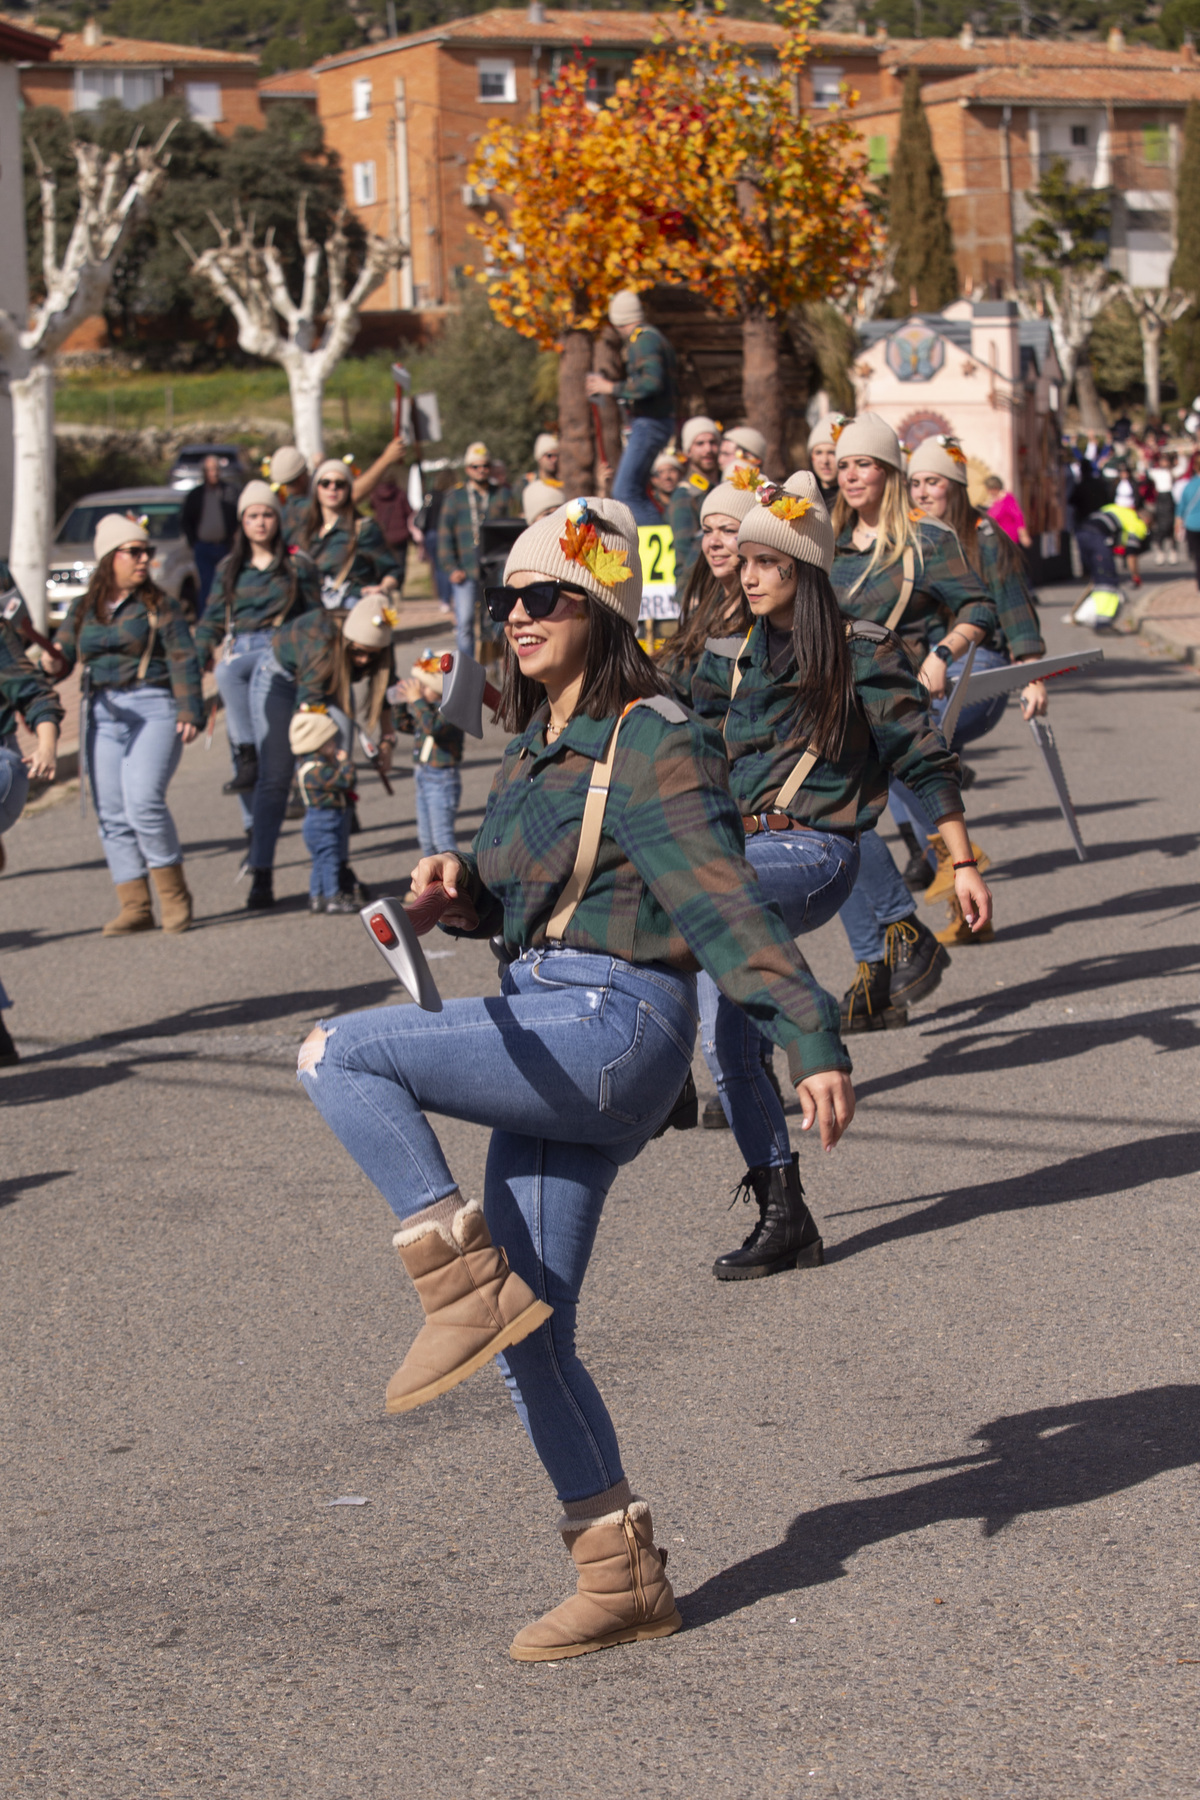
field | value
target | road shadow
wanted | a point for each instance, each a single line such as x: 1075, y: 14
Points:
x: 1116, y: 1169
x: 1046, y: 862
x: 1032, y: 1462
x: 1180, y: 901
x: 17, y: 1186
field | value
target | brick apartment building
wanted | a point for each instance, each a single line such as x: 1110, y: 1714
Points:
x: 88, y: 67
x: 406, y: 115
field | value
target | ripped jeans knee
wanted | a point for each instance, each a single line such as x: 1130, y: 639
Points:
x: 312, y: 1050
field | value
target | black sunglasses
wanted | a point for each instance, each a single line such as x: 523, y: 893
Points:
x: 539, y: 599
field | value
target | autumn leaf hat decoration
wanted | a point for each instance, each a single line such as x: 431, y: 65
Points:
x: 941, y: 455
x: 791, y: 519
x: 589, y: 544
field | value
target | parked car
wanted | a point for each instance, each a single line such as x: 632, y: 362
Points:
x: 187, y: 471
x: 72, y: 562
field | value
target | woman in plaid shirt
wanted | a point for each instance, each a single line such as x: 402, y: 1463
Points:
x: 142, y: 681
x: 610, y: 861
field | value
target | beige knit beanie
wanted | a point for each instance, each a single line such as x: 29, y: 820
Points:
x: 747, y: 439
x: 939, y: 456
x: 732, y: 502
x: 625, y: 308
x: 258, y: 493
x: 370, y: 622
x: 309, y: 730
x: 694, y: 428
x: 791, y: 519
x: 593, y: 545
x: 826, y: 430
x: 331, y: 469
x: 538, y: 498
x: 869, y: 435
x: 287, y: 464
x: 116, y: 529
x: 544, y: 444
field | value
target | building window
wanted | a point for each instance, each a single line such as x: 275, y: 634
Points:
x: 362, y: 99
x: 877, y: 158
x: 1156, y: 146
x: 1079, y: 137
x: 826, y: 85
x: 498, y: 79
x: 204, y: 102
x: 130, y: 88
x: 364, y: 184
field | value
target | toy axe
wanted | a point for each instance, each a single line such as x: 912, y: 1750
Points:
x: 394, y: 936
x: 466, y: 690
x: 989, y: 682
x: 1043, y: 737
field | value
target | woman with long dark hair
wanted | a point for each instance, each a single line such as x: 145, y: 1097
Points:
x: 351, y: 552
x: 897, y: 568
x: 610, y: 860
x: 258, y: 586
x: 144, y: 704
x: 713, y: 604
x: 815, y: 713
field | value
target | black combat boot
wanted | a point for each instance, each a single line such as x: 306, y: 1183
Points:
x: 867, y: 1002
x: 786, y: 1234
x: 9, y: 1054
x: 917, y: 873
x: 262, y: 890
x: 915, y: 960
x: 245, y: 772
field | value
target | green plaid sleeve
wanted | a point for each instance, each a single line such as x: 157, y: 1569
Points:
x: 645, y: 368
x: 1019, y: 628
x: 183, y: 665
x: 896, y: 706
x: 24, y: 690
x: 949, y: 577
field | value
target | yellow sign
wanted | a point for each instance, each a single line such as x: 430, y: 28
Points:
x: 656, y: 546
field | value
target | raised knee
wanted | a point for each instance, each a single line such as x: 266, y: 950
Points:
x: 312, y: 1050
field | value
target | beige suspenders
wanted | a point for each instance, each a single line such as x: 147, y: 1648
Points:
x: 589, y: 839
x: 909, y: 566
x: 810, y: 759
x: 148, y: 652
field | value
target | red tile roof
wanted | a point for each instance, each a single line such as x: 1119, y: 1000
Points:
x: 114, y: 52
x: 22, y: 43
x: 1017, y: 53
x: 289, y: 84
x: 1048, y: 87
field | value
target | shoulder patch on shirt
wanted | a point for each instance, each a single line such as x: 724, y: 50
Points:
x: 697, y: 480
x: 666, y: 708
x: 867, y: 628
x: 726, y: 646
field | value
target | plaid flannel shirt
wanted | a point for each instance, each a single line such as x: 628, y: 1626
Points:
x: 445, y: 740
x: 301, y: 645
x: 1019, y: 631
x: 890, y: 732
x: 946, y: 591
x: 296, y: 509
x: 671, y: 885
x: 649, y: 388
x: 24, y: 690
x: 459, y: 522
x: 258, y: 599
x: 325, y: 784
x: 374, y: 557
x: 112, y: 653
x: 683, y: 516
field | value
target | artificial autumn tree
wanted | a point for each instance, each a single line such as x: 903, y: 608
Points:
x: 924, y: 269
x: 1184, y: 342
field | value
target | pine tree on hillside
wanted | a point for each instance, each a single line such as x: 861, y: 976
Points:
x: 1183, y: 344
x: 918, y: 222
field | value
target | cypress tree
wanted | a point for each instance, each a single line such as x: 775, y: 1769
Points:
x: 1183, y: 344
x: 918, y: 222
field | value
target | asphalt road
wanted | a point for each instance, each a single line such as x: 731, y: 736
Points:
x: 932, y: 1510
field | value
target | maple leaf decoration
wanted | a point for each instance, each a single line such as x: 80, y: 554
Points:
x: 837, y: 428
x: 745, y: 478
x: 387, y: 615
x: 582, y: 545
x: 789, y: 507
x: 953, y: 450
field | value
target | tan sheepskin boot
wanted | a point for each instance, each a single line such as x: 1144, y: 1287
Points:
x: 174, y: 897
x: 958, y: 932
x: 136, y: 913
x: 474, y: 1305
x: 622, y: 1595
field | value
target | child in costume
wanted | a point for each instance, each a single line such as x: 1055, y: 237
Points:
x: 326, y: 779
x: 437, y: 758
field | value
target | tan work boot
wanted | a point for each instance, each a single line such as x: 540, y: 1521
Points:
x: 136, y: 913
x: 942, y: 884
x: 474, y: 1305
x: 959, y: 932
x: 174, y: 898
x: 623, y: 1593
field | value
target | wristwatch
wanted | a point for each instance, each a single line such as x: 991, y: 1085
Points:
x: 944, y: 652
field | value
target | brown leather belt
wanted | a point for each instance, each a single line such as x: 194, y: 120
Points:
x: 753, y: 823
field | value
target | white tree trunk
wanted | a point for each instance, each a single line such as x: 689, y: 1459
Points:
x: 1152, y: 331
x: 33, y: 484
x: 306, y: 385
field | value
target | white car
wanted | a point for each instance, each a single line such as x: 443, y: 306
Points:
x: 72, y: 562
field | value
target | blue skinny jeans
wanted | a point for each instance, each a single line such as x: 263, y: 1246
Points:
x: 234, y: 673
x: 880, y: 897
x: 272, y: 702
x: 14, y: 782
x: 133, y: 749
x: 323, y: 838
x: 807, y: 876
x: 439, y: 792
x: 647, y: 437
x: 573, y: 1066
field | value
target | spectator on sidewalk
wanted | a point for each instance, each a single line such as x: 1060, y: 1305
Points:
x: 1004, y: 510
x: 700, y: 441
x: 209, y: 519
x: 649, y: 390
x: 463, y: 512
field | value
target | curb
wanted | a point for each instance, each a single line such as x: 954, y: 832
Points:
x: 1157, y: 633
